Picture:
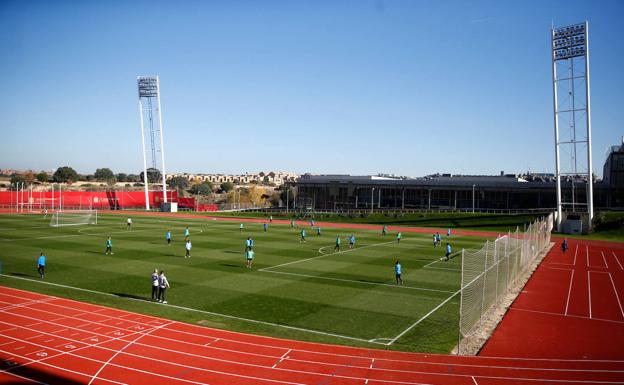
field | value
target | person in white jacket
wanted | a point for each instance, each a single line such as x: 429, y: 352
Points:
x: 164, y: 285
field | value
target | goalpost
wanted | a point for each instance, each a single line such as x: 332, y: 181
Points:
x: 73, y: 218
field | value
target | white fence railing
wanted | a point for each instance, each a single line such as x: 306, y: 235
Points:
x: 489, y: 273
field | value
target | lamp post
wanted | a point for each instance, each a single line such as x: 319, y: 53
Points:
x: 372, y: 199
x: 473, y: 197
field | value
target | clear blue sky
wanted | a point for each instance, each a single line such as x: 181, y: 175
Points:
x: 359, y: 87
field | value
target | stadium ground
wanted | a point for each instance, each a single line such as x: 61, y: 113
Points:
x: 296, y: 290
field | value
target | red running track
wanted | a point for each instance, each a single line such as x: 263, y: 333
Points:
x: 572, y: 307
x: 45, y: 339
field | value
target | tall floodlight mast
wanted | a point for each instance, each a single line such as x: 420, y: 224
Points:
x: 149, y: 105
x: 572, y: 116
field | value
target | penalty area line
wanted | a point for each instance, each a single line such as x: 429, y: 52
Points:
x: 312, y: 331
x: 393, y: 340
x: 323, y: 255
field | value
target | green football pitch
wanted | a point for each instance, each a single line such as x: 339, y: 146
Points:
x: 296, y: 290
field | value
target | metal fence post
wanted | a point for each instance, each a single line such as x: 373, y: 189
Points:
x: 461, y: 304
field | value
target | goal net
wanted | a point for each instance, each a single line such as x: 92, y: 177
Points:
x: 490, y: 273
x: 74, y: 218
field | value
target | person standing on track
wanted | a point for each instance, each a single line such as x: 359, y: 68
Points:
x: 564, y: 245
x: 155, y: 285
x: 168, y: 237
x: 109, y: 246
x: 397, y: 273
x: 41, y: 265
x: 163, y: 284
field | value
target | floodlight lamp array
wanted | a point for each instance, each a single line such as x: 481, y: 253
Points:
x: 148, y: 86
x: 569, y: 42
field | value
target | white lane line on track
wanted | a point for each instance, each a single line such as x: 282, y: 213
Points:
x: 282, y: 358
x: 569, y: 292
x: 316, y: 352
x: 564, y: 315
x: 616, y: 294
x: 589, y: 290
x: 315, y: 373
x: 617, y: 260
x: 141, y: 335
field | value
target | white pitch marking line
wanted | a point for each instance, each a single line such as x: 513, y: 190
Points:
x: 354, y: 281
x: 616, y: 294
x: 422, y: 318
x: 206, y: 312
x: 569, y: 291
x: 323, y: 255
x: 282, y: 358
x: 617, y: 260
x: 589, y: 292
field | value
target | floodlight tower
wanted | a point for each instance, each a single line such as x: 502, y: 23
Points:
x: 149, y: 105
x: 572, y: 114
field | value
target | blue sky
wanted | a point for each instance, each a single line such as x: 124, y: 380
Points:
x: 359, y: 87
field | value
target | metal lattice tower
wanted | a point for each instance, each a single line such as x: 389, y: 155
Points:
x: 571, y: 104
x: 149, y: 106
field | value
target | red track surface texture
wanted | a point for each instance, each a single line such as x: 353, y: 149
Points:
x: 571, y: 308
x: 46, y: 339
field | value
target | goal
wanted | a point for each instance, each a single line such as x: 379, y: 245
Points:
x: 74, y: 218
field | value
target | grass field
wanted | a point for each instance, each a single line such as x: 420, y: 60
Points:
x: 295, y: 290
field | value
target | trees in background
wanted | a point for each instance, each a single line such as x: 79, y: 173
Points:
x: 42, y: 177
x: 65, y: 174
x: 153, y: 175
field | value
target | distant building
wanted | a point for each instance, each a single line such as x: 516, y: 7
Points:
x: 277, y: 178
x: 460, y: 192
